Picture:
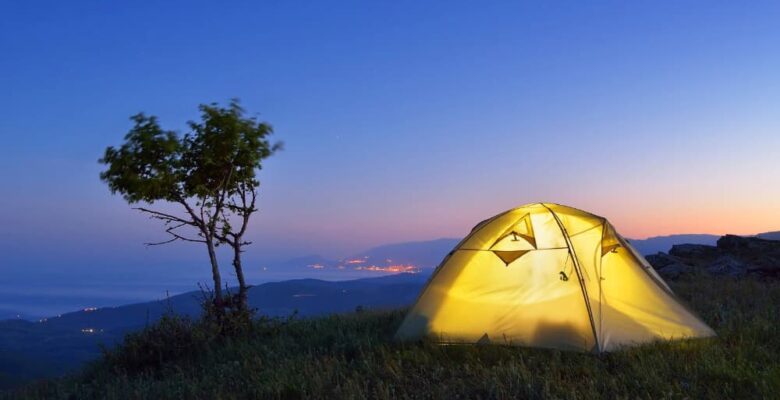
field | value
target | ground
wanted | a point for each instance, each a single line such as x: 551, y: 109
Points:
x: 353, y: 356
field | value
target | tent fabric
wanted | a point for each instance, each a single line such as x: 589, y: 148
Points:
x: 548, y: 275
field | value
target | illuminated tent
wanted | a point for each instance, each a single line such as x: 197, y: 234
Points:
x: 547, y: 275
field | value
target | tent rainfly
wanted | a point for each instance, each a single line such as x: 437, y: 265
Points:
x: 547, y: 275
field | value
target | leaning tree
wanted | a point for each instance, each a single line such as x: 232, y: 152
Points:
x: 208, y: 176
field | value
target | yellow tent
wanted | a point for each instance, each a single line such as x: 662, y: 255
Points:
x: 547, y: 275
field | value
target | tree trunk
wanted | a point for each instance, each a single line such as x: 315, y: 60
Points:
x: 215, y: 275
x: 242, y: 289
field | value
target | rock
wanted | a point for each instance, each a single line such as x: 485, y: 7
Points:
x: 728, y: 265
x: 760, y: 256
x: 733, y: 256
x: 669, y: 266
x: 676, y: 270
x: 695, y: 254
x: 742, y: 243
x: 660, y: 260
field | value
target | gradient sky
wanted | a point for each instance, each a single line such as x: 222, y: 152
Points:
x: 402, y: 121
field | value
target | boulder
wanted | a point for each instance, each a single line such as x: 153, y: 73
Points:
x: 732, y: 256
x: 728, y: 265
x: 676, y: 270
x: 747, y: 243
x: 760, y: 256
x: 695, y: 254
x: 669, y: 266
x: 660, y: 260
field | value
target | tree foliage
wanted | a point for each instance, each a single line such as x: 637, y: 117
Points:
x: 147, y: 167
x: 210, y: 172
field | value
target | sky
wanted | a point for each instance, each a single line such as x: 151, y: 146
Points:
x: 402, y: 120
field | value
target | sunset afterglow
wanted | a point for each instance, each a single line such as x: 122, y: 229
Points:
x: 264, y: 199
x: 393, y: 133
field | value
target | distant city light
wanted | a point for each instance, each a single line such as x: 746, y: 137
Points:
x: 410, y: 269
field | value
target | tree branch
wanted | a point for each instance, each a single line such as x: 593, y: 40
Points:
x: 164, y: 216
x: 220, y: 198
x: 176, y: 237
x: 190, y: 211
x: 246, y: 212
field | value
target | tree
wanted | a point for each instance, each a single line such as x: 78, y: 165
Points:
x: 226, y: 152
x: 210, y: 173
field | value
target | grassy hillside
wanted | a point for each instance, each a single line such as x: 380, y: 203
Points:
x: 35, y: 350
x: 352, y: 356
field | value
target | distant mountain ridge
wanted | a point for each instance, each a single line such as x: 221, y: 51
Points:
x: 10, y: 314
x: 657, y: 244
x: 422, y: 255
x: 36, y: 349
x: 770, y: 235
x: 426, y: 254
x: 411, y: 257
x: 414, y: 257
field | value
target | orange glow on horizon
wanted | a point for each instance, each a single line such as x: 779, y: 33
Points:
x: 636, y: 214
x: 713, y: 220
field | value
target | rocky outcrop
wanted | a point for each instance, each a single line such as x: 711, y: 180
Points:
x: 669, y: 266
x: 732, y: 256
x: 760, y: 256
x: 694, y: 252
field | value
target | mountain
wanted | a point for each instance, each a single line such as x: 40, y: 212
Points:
x: 657, y: 244
x: 770, y: 235
x: 426, y: 254
x: 304, y: 266
x: 56, y: 345
x: 354, y: 356
x: 11, y: 314
x: 409, y: 257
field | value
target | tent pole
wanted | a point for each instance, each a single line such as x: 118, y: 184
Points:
x: 579, y: 276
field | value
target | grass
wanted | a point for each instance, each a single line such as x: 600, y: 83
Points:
x: 352, y: 357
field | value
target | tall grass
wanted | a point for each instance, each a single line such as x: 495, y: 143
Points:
x: 353, y: 357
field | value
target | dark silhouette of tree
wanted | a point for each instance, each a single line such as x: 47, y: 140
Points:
x: 210, y: 173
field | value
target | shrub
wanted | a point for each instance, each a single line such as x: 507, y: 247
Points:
x: 171, y: 338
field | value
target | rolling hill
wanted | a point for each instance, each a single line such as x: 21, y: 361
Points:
x: 354, y: 356
x: 59, y: 344
x: 30, y: 349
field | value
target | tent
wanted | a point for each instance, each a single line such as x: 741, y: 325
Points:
x: 547, y: 275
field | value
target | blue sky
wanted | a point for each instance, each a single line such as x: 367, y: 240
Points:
x: 402, y: 121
